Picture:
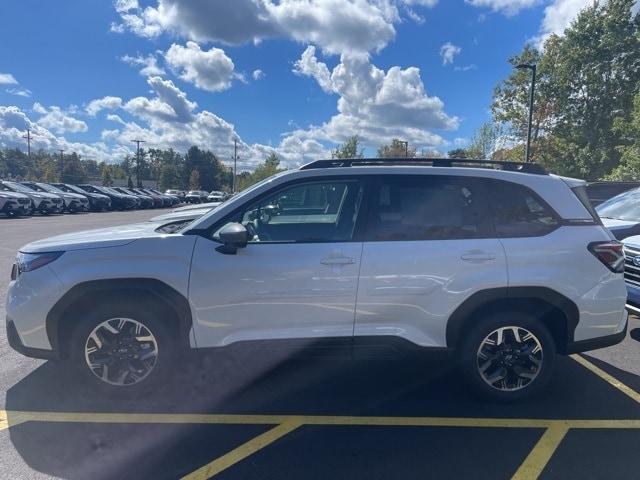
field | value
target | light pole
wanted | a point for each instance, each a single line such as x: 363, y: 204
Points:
x: 532, y: 67
x: 61, y: 150
x: 138, y: 142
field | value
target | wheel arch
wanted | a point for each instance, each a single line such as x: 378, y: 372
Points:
x: 85, y: 294
x: 557, y: 312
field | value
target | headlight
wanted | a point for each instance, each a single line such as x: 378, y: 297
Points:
x: 27, y: 262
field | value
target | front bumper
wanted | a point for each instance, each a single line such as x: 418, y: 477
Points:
x: 18, y: 346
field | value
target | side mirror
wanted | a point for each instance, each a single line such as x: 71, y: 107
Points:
x: 233, y: 236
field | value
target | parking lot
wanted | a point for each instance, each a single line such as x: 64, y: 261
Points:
x: 253, y: 414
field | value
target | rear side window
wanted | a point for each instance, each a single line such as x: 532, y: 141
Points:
x: 425, y: 208
x: 518, y: 212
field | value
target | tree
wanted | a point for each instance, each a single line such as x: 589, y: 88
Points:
x: 485, y: 142
x: 629, y: 130
x: 267, y: 169
x: 458, y: 153
x: 107, y: 181
x: 587, y: 79
x: 194, y: 180
x: 73, y: 170
x: 129, y: 182
x: 349, y: 149
x: 397, y: 148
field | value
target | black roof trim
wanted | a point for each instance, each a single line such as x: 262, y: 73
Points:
x: 532, y: 168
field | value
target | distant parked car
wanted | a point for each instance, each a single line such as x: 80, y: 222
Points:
x: 98, y: 202
x: 621, y: 214
x: 185, y: 214
x: 145, y: 200
x: 196, y: 196
x: 13, y: 203
x: 216, y: 196
x: 171, y: 200
x: 40, y: 202
x: 119, y: 201
x: 599, y: 192
x: 177, y: 193
x: 72, y: 202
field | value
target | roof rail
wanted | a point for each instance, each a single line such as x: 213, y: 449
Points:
x: 532, y: 168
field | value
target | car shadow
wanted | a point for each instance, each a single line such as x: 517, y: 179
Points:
x: 246, y: 382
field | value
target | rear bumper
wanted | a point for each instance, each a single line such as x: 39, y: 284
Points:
x: 599, y: 342
x: 18, y: 346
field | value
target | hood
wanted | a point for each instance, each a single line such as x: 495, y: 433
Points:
x: 633, y: 241
x: 73, y: 195
x: 100, y: 238
x: 622, y: 228
x: 179, y: 216
x: 197, y: 206
x: 6, y: 194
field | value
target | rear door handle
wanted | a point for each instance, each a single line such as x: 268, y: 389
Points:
x: 337, y: 261
x: 477, y: 257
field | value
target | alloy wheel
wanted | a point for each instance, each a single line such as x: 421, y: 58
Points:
x: 509, y: 358
x: 121, y: 351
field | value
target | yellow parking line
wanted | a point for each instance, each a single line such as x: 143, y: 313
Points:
x: 243, y: 451
x: 538, y: 458
x: 11, y: 418
x: 630, y: 392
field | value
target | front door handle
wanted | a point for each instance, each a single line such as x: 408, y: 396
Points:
x: 476, y: 256
x: 337, y: 261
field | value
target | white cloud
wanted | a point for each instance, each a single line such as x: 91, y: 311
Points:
x: 58, y: 121
x: 337, y: 26
x: 7, y: 79
x: 14, y: 124
x: 169, y: 105
x: 19, y: 91
x: 506, y: 7
x: 422, y: 3
x: 466, y: 68
x: 309, y: 66
x: 210, y: 70
x: 377, y: 105
x: 558, y: 16
x: 448, y: 51
x: 257, y: 74
x: 419, y: 19
x: 105, y: 103
x: 149, y: 64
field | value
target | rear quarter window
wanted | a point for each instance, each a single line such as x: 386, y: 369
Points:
x: 518, y: 212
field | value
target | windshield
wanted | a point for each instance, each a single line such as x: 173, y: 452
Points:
x: 49, y: 188
x: 625, y: 206
x: 16, y: 187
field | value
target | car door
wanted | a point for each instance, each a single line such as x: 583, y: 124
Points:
x: 427, y: 248
x: 296, y: 278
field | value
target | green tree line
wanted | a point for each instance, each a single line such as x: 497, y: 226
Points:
x: 586, y: 120
x: 196, y: 169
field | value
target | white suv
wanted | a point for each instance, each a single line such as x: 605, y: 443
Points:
x: 500, y: 263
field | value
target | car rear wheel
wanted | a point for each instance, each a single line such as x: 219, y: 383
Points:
x: 123, y: 349
x: 507, y: 356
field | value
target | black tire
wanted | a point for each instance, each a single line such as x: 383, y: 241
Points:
x: 153, y: 320
x: 470, y: 365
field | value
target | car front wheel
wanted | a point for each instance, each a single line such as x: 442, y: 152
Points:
x: 123, y: 350
x: 507, y: 356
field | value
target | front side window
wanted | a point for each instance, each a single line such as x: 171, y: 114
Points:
x: 518, y: 212
x: 309, y: 212
x: 427, y: 208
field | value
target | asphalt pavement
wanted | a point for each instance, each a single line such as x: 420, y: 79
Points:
x: 250, y: 414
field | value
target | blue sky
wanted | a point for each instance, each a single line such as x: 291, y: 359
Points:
x: 290, y: 76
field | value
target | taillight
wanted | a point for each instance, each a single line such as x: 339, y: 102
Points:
x: 610, y: 254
